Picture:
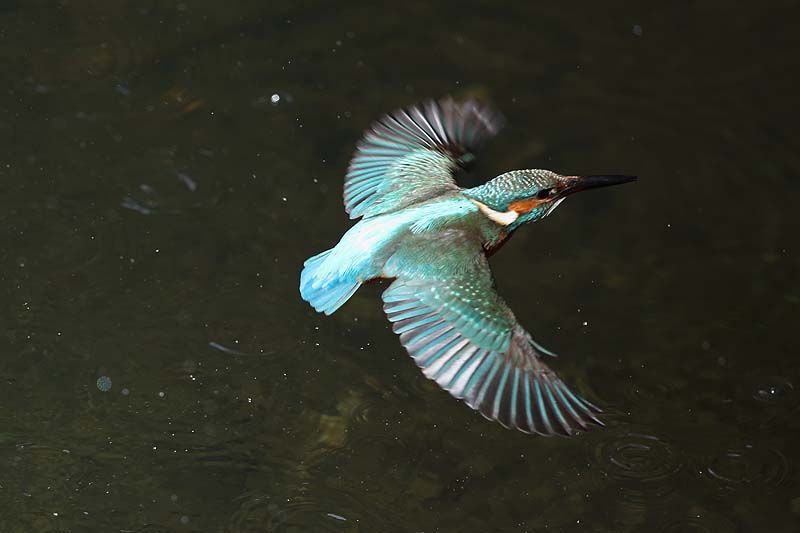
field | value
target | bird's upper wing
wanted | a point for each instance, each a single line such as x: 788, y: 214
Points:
x: 463, y: 336
x: 410, y: 155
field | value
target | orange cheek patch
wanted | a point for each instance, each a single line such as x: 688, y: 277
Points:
x: 525, y: 206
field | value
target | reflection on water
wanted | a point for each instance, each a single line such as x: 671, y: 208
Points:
x: 168, y: 166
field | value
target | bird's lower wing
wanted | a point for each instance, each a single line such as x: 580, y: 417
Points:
x: 463, y: 336
x: 410, y: 155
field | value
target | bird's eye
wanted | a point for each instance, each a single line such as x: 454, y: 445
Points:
x: 546, y: 193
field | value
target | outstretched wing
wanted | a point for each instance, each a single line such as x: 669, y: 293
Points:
x: 463, y: 336
x: 410, y: 155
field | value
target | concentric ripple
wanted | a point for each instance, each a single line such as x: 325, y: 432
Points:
x: 700, y: 521
x: 644, y: 464
x: 749, y: 468
x: 258, y: 513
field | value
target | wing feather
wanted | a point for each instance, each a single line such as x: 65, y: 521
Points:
x: 463, y: 336
x: 409, y: 156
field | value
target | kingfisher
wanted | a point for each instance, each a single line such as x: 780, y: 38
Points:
x: 432, y: 238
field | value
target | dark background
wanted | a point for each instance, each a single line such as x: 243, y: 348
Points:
x: 156, y: 207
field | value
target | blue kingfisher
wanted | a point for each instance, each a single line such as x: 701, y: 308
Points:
x: 432, y: 238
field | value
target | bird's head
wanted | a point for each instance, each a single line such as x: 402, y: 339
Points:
x: 520, y: 196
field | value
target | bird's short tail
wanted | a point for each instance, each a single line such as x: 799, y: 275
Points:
x: 325, y: 291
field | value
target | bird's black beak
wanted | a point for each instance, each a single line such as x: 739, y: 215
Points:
x: 581, y: 183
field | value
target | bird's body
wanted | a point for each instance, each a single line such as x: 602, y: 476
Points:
x: 366, y: 248
x: 432, y: 237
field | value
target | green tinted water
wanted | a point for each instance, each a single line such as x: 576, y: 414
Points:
x: 157, y: 206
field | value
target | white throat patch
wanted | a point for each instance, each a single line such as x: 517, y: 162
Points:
x: 504, y: 219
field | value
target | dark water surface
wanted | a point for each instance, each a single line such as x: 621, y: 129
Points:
x: 167, y: 166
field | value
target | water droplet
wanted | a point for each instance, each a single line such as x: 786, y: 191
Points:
x: 774, y: 390
x: 104, y: 383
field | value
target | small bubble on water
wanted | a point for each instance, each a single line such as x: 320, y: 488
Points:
x: 775, y: 390
x: 104, y: 383
x: 125, y: 391
x: 184, y: 520
x: 275, y: 98
x: 161, y: 394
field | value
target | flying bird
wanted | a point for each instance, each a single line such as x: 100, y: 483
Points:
x: 432, y: 238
